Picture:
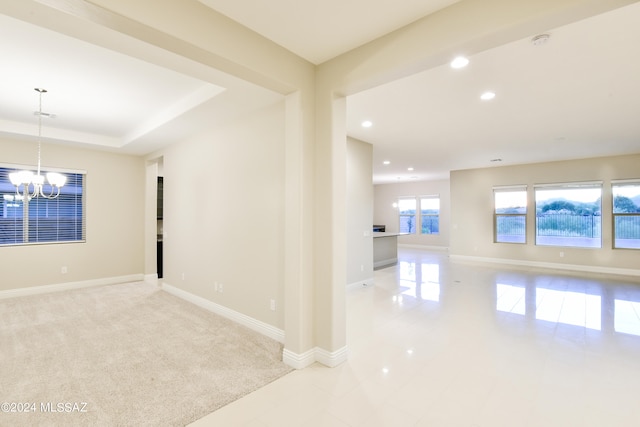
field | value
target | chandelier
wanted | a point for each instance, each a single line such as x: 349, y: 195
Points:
x: 33, y: 184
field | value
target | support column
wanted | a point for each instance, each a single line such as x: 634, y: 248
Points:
x: 298, y: 237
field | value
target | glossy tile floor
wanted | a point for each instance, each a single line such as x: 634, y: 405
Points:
x: 438, y: 343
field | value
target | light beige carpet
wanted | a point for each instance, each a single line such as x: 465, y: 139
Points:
x: 135, y: 355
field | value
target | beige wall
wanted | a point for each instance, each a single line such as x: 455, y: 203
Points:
x: 385, y: 214
x: 472, y: 212
x: 224, y: 215
x: 114, y: 214
x: 359, y: 211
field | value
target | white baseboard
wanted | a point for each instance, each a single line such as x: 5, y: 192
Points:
x: 296, y: 361
x: 331, y: 358
x: 361, y: 284
x: 36, y: 290
x: 550, y: 265
x: 327, y: 358
x: 299, y: 361
x: 243, y: 319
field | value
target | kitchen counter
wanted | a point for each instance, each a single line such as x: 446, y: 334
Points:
x: 385, y: 249
x: 376, y: 234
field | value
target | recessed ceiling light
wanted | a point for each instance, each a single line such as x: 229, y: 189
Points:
x: 386, y: 162
x: 367, y: 124
x: 409, y: 169
x: 459, y: 62
x: 487, y: 96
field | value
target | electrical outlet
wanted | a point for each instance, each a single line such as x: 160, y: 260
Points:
x: 63, y: 269
x: 273, y: 305
x: 182, y: 276
x: 220, y: 287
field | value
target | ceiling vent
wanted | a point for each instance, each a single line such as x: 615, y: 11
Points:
x: 540, y: 39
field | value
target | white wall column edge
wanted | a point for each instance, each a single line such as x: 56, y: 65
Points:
x: 550, y: 265
x: 327, y: 358
x: 298, y: 225
x: 251, y: 323
x: 36, y: 290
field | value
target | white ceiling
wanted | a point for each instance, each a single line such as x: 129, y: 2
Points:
x: 104, y: 99
x: 576, y: 96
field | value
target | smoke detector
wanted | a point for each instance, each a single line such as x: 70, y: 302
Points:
x: 540, y: 39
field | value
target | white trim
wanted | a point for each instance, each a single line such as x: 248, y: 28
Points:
x: 510, y: 187
x: 561, y: 185
x: 299, y: 361
x: 550, y: 265
x: 243, y: 319
x: 43, y: 168
x: 331, y: 358
x: 317, y: 354
x: 625, y: 181
x: 37, y: 290
x: 361, y: 284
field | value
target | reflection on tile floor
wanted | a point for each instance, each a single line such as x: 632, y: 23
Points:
x: 438, y: 343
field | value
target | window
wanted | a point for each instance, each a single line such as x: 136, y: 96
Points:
x: 430, y: 215
x: 569, y: 215
x: 626, y: 214
x: 407, y: 214
x: 510, y: 214
x: 41, y: 220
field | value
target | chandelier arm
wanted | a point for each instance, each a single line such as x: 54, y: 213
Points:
x: 29, y: 193
x: 50, y: 195
x: 42, y: 193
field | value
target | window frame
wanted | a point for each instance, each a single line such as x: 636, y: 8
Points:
x: 568, y: 186
x: 497, y: 216
x: 67, y: 224
x: 422, y: 215
x: 414, y: 215
x: 615, y: 215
